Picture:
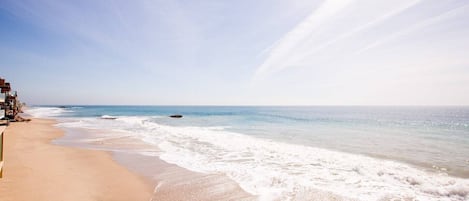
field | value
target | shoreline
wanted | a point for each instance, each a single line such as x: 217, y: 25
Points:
x: 36, y: 166
x: 169, y: 181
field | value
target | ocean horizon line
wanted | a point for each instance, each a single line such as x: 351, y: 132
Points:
x: 215, y: 105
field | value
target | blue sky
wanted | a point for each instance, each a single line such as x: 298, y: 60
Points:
x: 296, y: 52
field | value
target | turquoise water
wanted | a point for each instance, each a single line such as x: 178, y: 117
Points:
x: 282, y: 142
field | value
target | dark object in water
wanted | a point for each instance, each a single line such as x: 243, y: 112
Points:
x: 175, y: 116
x: 63, y: 107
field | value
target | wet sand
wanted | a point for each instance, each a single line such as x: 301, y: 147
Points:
x: 172, y: 182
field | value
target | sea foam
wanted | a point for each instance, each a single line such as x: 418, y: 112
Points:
x: 283, y: 171
x: 46, y: 112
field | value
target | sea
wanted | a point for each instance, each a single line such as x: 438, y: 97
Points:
x: 280, y: 152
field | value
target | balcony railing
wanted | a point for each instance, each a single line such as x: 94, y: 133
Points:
x: 2, y: 128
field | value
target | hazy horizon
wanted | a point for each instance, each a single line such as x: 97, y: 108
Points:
x: 223, y: 53
x: 264, y: 105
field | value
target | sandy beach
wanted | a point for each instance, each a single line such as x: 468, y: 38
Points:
x: 37, y: 170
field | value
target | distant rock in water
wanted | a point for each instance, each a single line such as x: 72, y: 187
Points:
x: 175, y: 116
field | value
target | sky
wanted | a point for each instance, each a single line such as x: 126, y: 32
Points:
x: 215, y: 52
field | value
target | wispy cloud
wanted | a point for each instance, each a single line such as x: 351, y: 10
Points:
x: 386, y: 15
x: 368, y: 52
x: 304, y: 41
x: 415, y: 27
x: 279, y: 53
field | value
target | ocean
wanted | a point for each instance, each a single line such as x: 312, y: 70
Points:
x: 277, y: 153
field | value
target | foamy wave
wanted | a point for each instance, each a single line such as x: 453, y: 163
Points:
x: 120, y: 123
x: 133, y: 120
x: 108, y: 117
x: 275, y: 170
x: 45, y: 112
x: 281, y: 171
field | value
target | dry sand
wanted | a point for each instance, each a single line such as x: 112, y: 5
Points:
x: 37, y: 170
